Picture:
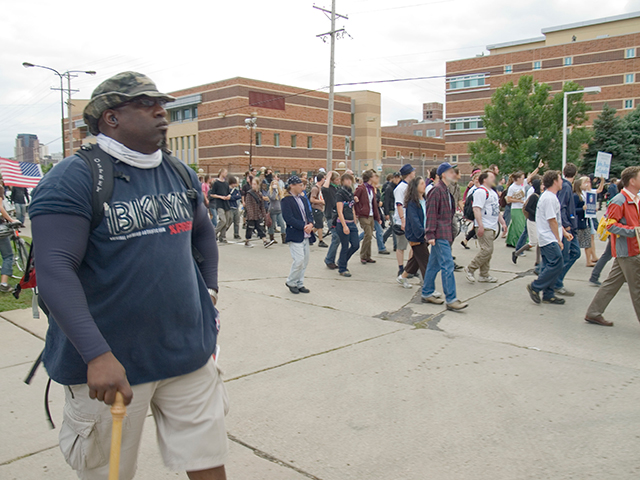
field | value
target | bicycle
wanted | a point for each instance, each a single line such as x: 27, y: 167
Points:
x: 20, y: 245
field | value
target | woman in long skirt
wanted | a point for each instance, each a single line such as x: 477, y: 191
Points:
x: 515, y: 197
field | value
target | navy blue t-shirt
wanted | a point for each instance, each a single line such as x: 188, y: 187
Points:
x: 142, y: 284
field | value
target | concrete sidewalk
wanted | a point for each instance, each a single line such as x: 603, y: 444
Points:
x: 358, y: 380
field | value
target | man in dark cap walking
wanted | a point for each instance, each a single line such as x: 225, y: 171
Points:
x: 131, y: 310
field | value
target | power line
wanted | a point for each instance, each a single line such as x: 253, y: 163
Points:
x: 403, y: 6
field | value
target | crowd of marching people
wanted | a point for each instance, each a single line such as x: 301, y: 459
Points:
x: 545, y: 214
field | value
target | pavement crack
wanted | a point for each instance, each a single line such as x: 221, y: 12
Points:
x: 317, y: 354
x: 271, y: 458
x: 30, y: 454
x: 22, y: 328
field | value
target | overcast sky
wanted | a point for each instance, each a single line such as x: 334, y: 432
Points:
x: 186, y: 43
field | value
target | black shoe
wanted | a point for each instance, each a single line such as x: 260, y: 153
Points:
x: 303, y: 290
x: 466, y: 247
x: 237, y: 237
x: 331, y: 266
x: 322, y: 244
x: 514, y: 257
x: 457, y: 268
x: 535, y: 296
x: 554, y: 301
x: 384, y: 252
x: 293, y: 289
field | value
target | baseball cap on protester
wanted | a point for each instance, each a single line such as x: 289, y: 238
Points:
x: 443, y: 167
x: 117, y: 90
x: 293, y: 180
x: 406, y: 169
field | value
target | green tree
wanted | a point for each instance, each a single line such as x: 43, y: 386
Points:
x: 523, y: 125
x: 631, y: 123
x: 609, y: 135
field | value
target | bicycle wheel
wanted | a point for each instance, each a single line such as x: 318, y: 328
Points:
x: 21, y: 254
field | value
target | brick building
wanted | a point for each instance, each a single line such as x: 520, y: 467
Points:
x: 600, y: 52
x: 422, y: 153
x: 432, y: 124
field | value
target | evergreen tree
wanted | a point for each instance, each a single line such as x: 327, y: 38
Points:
x: 611, y: 135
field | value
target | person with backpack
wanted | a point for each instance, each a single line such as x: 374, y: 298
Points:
x: 486, y: 210
x: 131, y: 304
x: 467, y: 209
x: 329, y: 193
x: 256, y: 214
x: 529, y: 211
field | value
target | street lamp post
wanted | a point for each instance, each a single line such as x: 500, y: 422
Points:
x: 589, y: 90
x: 250, y: 124
x: 68, y: 75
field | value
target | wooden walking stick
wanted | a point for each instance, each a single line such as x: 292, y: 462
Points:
x: 118, y: 411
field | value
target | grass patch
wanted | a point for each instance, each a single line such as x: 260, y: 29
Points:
x: 8, y: 301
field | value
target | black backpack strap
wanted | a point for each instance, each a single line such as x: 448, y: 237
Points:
x: 192, y: 193
x: 102, y: 173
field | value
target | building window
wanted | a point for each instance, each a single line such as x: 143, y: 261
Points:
x: 630, y: 53
x: 466, y: 81
x: 472, y: 123
x: 258, y: 139
x: 435, y: 157
x: 398, y: 156
x: 628, y: 78
x: 294, y: 141
x: 568, y: 61
x: 431, y: 133
x: 628, y: 104
x: 175, y: 115
x: 508, y: 69
x: 384, y: 154
x: 309, y: 142
x: 194, y: 112
x: 423, y: 156
x: 454, y: 158
x: 410, y: 155
x: 418, y: 133
x: 276, y: 139
x: 537, y: 65
x: 186, y: 114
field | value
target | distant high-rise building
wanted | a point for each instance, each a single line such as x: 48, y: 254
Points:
x: 27, y: 148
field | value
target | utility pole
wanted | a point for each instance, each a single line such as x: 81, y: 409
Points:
x: 332, y: 34
x: 68, y: 75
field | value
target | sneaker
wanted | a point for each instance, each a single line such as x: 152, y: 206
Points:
x: 469, y: 275
x: 564, y: 292
x: 384, y: 252
x: 456, y: 267
x: 457, y: 305
x: 222, y: 240
x: 488, y: 279
x: 6, y: 288
x: 594, y: 282
x: 436, y: 294
x: 248, y: 245
x: 370, y: 260
x: 346, y: 273
x: 553, y: 301
x: 331, y: 266
x: 466, y: 247
x: 303, y: 290
x: 514, y: 257
x: 404, y: 283
x: 322, y: 244
x: 269, y: 243
x: 237, y: 237
x: 535, y: 296
x: 432, y: 299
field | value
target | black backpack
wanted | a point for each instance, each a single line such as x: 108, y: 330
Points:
x: 468, y: 205
x: 103, y: 172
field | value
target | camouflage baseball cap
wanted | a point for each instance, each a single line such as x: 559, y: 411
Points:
x: 116, y: 90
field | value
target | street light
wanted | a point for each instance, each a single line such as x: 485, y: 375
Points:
x: 250, y: 124
x: 588, y: 90
x: 68, y: 75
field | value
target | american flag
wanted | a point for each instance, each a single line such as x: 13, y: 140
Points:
x: 20, y: 174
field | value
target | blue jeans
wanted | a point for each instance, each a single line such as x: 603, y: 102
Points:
x: 379, y: 235
x: 522, y: 241
x: 333, y: 247
x: 440, y: 260
x: 550, y: 270
x: 571, y: 253
x: 21, y: 211
x: 214, y: 216
x: 350, y: 244
x: 7, y: 256
x: 276, y: 217
x: 602, y: 261
x: 507, y: 214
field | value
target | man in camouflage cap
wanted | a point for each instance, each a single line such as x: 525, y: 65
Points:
x: 131, y: 311
x: 119, y: 89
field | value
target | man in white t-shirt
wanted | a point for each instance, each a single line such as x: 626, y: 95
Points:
x: 408, y: 173
x: 550, y: 233
x: 486, y: 209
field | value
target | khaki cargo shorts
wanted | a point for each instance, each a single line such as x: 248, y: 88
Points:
x: 189, y: 412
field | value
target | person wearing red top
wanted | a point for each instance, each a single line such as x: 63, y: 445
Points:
x: 624, y: 209
x: 367, y: 211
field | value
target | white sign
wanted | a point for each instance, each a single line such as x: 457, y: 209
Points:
x: 603, y: 164
x: 379, y: 168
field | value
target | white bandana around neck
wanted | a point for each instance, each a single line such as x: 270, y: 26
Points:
x: 128, y: 156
